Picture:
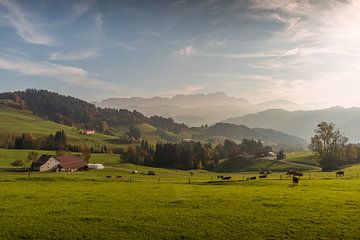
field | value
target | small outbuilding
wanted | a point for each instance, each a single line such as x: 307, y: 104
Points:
x: 95, y: 166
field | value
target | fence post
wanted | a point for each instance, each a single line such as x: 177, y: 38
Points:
x: 280, y: 176
x: 130, y: 179
x: 189, y: 181
x: 310, y: 176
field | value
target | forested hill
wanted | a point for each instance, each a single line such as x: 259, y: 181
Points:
x: 75, y: 112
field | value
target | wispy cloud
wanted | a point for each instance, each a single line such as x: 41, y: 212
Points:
x: 27, y: 28
x: 69, y: 74
x: 183, y: 91
x: 80, y: 55
x: 186, y: 51
x: 236, y: 76
x: 129, y: 46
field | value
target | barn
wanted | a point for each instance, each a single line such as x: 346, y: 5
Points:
x: 69, y: 162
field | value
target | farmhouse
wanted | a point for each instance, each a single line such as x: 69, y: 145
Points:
x: 71, y: 162
x: 88, y: 132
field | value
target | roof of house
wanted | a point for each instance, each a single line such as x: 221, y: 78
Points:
x: 73, y: 161
x: 43, y: 159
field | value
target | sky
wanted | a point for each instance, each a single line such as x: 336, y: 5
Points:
x: 306, y: 51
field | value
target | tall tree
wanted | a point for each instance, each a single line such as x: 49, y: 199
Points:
x: 329, y: 143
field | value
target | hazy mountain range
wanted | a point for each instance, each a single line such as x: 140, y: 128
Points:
x: 303, y: 123
x: 197, y: 109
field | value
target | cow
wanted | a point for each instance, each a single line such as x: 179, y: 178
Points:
x: 298, y: 174
x: 263, y: 176
x: 108, y: 176
x: 226, y: 178
x: 340, y: 173
x: 295, y: 180
x: 251, y: 178
x: 118, y: 177
x: 262, y: 173
x: 290, y: 172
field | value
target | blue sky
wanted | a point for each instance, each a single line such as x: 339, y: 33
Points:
x: 303, y: 51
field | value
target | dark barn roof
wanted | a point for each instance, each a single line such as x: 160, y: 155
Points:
x: 71, y: 162
x: 43, y: 159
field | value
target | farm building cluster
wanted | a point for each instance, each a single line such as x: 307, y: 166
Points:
x: 69, y: 162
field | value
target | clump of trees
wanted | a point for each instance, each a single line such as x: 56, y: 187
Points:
x: 190, y: 155
x: 56, y: 142
x: 333, y: 148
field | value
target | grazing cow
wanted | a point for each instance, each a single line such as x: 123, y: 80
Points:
x: 290, y: 172
x: 263, y: 176
x: 295, y: 180
x: 262, y: 173
x: 298, y: 174
x: 220, y: 176
x: 118, y: 177
x: 251, y: 178
x: 226, y: 178
x: 340, y: 173
x: 268, y: 172
x: 108, y: 176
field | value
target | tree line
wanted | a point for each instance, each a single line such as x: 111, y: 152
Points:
x: 190, y: 155
x: 57, y: 141
x: 78, y: 113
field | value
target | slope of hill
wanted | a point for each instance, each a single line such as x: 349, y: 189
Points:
x: 303, y: 123
x: 37, y: 111
x: 14, y: 121
x: 239, y: 132
x: 197, y: 109
x: 75, y: 112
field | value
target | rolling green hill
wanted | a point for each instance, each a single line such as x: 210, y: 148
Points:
x: 14, y: 121
x: 41, y: 112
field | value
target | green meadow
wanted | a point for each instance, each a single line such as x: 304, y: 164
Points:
x: 176, y: 204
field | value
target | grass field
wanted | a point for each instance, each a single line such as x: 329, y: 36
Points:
x: 18, y: 122
x: 87, y: 205
x: 308, y: 158
x: 175, y: 204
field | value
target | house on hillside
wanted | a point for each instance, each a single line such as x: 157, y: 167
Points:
x: 70, y: 162
x: 88, y: 132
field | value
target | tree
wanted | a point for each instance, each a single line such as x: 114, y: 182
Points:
x: 281, y: 155
x: 134, y: 132
x: 329, y: 143
x: 32, y: 156
x: 85, y: 153
x: 17, y: 163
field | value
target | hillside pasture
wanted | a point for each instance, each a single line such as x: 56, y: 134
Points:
x: 91, y: 206
x: 18, y: 122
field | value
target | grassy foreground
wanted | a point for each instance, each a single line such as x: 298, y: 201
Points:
x: 86, y: 205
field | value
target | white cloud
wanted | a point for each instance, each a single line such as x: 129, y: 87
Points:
x: 28, y: 29
x: 92, y: 53
x: 69, y: 74
x: 186, y: 51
